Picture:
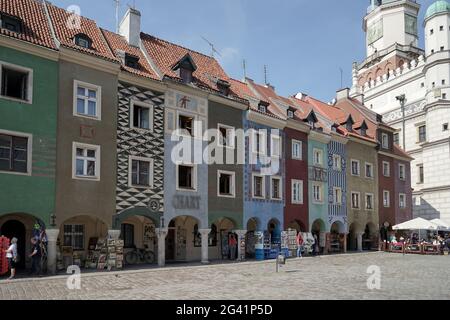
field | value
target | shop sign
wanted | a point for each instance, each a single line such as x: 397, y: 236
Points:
x: 181, y: 202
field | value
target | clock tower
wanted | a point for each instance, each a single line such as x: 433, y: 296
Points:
x: 390, y: 22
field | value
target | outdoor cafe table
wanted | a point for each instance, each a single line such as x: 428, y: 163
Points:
x: 413, y: 248
x: 430, y: 249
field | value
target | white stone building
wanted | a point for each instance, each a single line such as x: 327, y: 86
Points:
x: 410, y: 87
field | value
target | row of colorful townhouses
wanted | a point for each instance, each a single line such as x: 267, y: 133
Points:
x: 91, y: 121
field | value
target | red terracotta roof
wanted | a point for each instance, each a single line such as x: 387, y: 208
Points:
x: 268, y: 94
x: 36, y: 29
x: 117, y: 42
x: 166, y: 55
x: 65, y: 35
x: 399, y: 152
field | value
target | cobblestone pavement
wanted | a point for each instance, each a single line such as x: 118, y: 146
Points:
x: 328, y: 277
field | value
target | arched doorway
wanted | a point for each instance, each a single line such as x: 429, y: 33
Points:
x: 15, y: 228
x: 297, y: 225
x: 274, y: 229
x: 253, y: 225
x: 183, y: 241
x: 351, y: 238
x: 219, y: 236
x: 22, y: 226
x: 80, y: 238
x: 337, y: 237
x: 370, y: 237
x: 317, y: 227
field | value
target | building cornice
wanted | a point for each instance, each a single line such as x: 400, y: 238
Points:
x: 367, y: 143
x: 228, y: 102
x: 194, y: 91
x: 432, y: 189
x: 319, y: 136
x: 266, y: 120
x: 142, y: 81
x: 338, y: 138
x: 391, y: 155
x: 89, y: 61
x: 297, y: 125
x: 30, y: 48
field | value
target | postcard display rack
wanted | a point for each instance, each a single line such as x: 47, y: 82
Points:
x: 105, y: 254
x: 4, y: 245
x: 292, y: 242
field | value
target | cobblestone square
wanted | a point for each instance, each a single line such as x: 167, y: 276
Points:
x: 327, y: 277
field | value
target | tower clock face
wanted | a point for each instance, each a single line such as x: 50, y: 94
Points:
x: 375, y: 32
x: 411, y: 24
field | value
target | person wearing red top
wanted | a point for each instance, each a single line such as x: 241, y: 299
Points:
x: 299, y: 245
x: 232, y: 244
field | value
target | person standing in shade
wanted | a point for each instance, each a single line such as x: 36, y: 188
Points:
x: 35, y: 257
x: 232, y: 244
x: 299, y: 245
x: 12, y: 257
x: 316, y: 245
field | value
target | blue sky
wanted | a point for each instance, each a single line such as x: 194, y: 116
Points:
x: 303, y: 43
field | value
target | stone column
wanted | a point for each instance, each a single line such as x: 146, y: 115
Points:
x: 240, y: 234
x: 205, y: 245
x: 359, y: 241
x: 114, y: 234
x: 52, y: 237
x: 345, y: 242
x: 161, y: 233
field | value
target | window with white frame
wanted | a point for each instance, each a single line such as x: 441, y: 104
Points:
x: 86, y: 161
x: 318, y: 157
x: 16, y: 82
x: 74, y: 236
x: 369, y: 201
x: 385, y: 140
x: 258, y: 186
x: 275, y: 188
x: 226, y: 136
x: 259, y: 142
x: 186, y: 124
x: 141, y: 172
x: 15, y: 152
x: 355, y: 200
x: 317, y: 193
x: 297, y: 152
x: 386, y: 169
x: 226, y: 184
x: 402, y: 200
x: 386, y: 199
x: 87, y: 100
x: 297, y: 191
x: 355, y: 170
x: 337, y: 195
x: 141, y: 115
x: 275, y: 145
x: 369, y: 170
x: 337, y: 162
x: 401, y: 171
x: 186, y: 177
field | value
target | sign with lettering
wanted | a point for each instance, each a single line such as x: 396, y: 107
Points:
x: 182, y: 202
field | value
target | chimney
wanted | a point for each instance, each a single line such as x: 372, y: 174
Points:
x: 130, y: 27
x: 342, y: 94
x: 360, y: 98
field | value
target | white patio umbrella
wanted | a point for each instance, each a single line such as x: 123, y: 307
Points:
x: 416, y: 224
x: 443, y: 226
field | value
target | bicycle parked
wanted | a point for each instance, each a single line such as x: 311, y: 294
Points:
x: 140, y: 256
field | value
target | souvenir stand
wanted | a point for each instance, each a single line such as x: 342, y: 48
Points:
x: 4, y: 245
x: 111, y: 254
x: 292, y: 242
x: 285, y: 244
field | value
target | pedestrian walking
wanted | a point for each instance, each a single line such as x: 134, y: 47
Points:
x: 232, y: 244
x: 299, y: 245
x: 35, y: 257
x: 12, y: 257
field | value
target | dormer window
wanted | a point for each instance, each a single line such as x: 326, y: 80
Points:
x: 312, y: 120
x: 83, y: 41
x: 185, y: 68
x: 10, y: 23
x: 132, y: 61
x: 224, y: 87
x: 290, y: 114
x: 262, y: 108
x: 363, y: 128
